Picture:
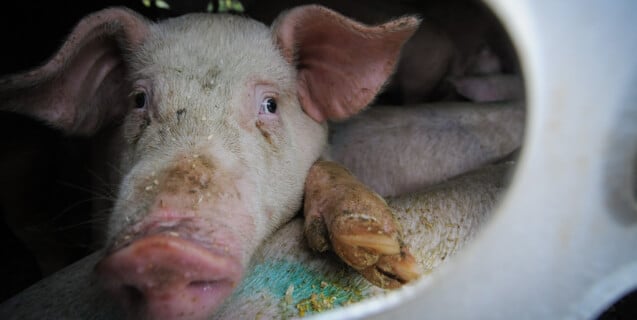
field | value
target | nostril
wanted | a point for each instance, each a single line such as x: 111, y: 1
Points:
x: 133, y: 295
x: 201, y: 284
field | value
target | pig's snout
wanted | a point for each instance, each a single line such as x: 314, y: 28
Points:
x: 166, y: 277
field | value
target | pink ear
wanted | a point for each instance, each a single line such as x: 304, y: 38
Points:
x: 342, y: 64
x: 82, y: 87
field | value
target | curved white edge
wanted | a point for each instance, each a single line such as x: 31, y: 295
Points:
x: 555, y: 247
x: 606, y: 292
x: 375, y: 305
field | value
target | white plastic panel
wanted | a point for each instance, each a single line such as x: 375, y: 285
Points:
x: 563, y: 243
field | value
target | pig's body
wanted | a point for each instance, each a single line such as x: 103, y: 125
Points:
x: 287, y: 279
x: 216, y: 121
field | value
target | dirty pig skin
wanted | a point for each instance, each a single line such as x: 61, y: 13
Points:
x: 218, y: 120
x: 286, y: 280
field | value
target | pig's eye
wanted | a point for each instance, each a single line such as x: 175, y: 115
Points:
x: 140, y: 100
x: 268, y: 105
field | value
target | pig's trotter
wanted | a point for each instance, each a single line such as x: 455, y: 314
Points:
x: 343, y: 214
x: 316, y: 231
x: 392, y: 271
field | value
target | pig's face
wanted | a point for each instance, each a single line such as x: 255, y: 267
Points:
x: 218, y: 148
x: 216, y: 133
x: 221, y: 119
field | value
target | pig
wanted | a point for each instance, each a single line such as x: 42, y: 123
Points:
x: 74, y: 293
x: 214, y: 122
x: 288, y: 280
x: 444, y: 45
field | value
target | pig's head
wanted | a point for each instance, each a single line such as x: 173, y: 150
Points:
x: 221, y: 118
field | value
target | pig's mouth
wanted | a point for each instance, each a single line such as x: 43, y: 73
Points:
x: 193, y: 229
x: 163, y: 271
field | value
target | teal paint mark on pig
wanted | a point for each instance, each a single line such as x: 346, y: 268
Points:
x: 302, y: 288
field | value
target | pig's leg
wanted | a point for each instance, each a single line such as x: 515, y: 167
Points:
x: 342, y: 213
x: 490, y: 88
x: 396, y: 150
x: 286, y: 280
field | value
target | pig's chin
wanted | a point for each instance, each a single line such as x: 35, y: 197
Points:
x: 167, y: 271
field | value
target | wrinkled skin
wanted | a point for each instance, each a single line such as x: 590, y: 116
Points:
x: 218, y: 120
x: 343, y: 214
